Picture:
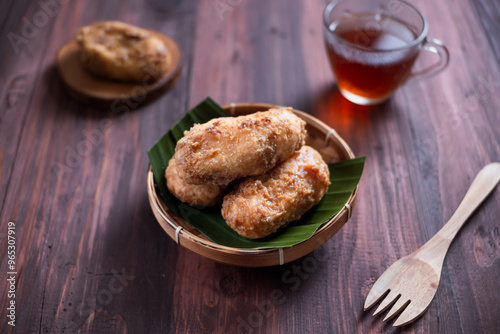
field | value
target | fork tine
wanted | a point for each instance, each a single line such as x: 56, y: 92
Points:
x: 387, y: 302
x: 400, y: 305
x: 374, y: 296
x: 411, y: 313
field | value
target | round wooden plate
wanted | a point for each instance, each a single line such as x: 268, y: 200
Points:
x: 105, y: 93
x: 320, y: 136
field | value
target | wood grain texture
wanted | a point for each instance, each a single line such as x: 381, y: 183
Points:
x: 412, y: 281
x: 92, y: 259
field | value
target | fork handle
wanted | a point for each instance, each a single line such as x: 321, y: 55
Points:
x: 481, y: 187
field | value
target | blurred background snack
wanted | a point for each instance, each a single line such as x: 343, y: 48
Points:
x: 116, y: 66
x: 120, y: 51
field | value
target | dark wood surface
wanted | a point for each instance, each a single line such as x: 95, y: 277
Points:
x: 90, y: 257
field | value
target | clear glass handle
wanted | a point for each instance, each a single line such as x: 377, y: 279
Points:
x: 435, y: 46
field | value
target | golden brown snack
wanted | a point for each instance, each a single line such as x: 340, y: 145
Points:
x: 195, y: 195
x: 120, y: 51
x: 260, y: 205
x: 228, y: 148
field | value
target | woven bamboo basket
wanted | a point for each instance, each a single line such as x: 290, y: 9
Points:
x: 320, y: 136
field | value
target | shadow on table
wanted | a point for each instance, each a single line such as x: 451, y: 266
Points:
x: 256, y: 296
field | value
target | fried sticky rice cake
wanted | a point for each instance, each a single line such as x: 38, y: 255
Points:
x: 228, y: 148
x: 194, y: 195
x: 260, y: 205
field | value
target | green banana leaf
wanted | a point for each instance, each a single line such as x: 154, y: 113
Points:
x: 344, y: 177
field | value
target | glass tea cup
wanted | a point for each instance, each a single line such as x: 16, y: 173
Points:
x: 373, y: 44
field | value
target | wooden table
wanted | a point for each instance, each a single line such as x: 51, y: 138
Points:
x: 90, y: 256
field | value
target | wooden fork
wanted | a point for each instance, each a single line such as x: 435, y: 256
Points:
x: 411, y: 282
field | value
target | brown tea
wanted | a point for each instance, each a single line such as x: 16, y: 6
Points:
x: 370, y: 55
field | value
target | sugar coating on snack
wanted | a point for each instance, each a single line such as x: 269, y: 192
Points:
x: 260, y: 205
x: 228, y: 148
x: 195, y: 195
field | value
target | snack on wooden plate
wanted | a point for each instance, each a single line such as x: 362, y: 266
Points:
x: 195, y: 195
x: 260, y: 205
x: 228, y: 148
x: 120, y: 51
